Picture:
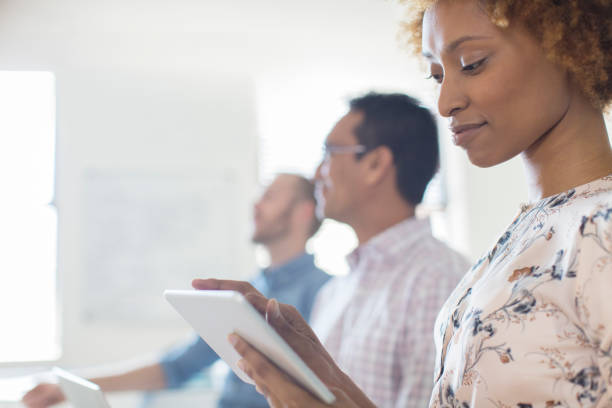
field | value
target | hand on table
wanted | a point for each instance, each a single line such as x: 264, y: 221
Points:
x: 43, y: 396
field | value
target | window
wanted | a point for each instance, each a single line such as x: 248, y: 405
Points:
x: 28, y: 221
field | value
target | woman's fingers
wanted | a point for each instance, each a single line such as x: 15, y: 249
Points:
x: 278, y: 388
x: 292, y: 327
x: 247, y: 290
x: 342, y: 399
x: 222, y: 284
x: 288, y: 321
x: 285, y: 393
x: 257, y: 300
x: 273, y: 401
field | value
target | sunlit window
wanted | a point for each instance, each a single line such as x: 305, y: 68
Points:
x: 28, y: 221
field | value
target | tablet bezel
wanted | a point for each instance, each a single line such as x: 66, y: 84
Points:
x: 234, y: 314
x: 80, y: 392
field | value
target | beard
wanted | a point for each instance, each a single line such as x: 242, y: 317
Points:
x: 273, y: 230
x: 320, y: 201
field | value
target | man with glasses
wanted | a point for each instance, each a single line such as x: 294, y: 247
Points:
x: 377, y: 322
x: 284, y: 220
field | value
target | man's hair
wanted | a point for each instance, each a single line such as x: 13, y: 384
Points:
x: 305, y: 191
x: 409, y: 130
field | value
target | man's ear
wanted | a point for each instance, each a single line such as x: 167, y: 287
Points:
x: 304, y: 211
x: 379, y: 162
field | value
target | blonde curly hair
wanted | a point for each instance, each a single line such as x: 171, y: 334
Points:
x: 577, y: 34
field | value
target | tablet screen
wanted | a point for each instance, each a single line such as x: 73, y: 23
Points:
x: 80, y: 392
x: 216, y: 314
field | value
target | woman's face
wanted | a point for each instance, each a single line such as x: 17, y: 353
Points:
x: 496, y: 86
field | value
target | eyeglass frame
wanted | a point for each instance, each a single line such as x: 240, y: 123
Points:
x: 329, y: 150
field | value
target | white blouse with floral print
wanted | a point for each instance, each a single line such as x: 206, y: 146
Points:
x: 530, y: 325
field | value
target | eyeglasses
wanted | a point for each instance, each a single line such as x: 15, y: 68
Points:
x: 330, y: 150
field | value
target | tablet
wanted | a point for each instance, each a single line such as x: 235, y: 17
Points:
x: 215, y: 314
x: 80, y: 392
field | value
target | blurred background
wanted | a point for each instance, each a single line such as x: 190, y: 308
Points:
x: 134, y: 138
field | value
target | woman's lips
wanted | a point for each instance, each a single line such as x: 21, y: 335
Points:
x: 462, y: 134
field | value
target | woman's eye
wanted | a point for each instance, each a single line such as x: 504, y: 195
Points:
x: 435, y: 77
x: 470, y: 68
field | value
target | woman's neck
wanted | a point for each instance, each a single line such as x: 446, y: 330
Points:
x: 575, y: 152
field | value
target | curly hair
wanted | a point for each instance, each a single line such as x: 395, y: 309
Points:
x: 577, y: 34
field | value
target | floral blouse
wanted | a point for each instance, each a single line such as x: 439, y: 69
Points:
x: 530, y: 325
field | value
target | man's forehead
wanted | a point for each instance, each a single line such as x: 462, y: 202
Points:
x: 282, y: 182
x: 345, y: 127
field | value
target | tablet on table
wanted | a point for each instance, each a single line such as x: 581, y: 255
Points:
x: 80, y: 392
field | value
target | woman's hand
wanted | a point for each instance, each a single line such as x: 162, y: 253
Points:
x: 278, y: 388
x: 292, y: 327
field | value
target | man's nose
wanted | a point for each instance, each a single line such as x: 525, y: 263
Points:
x: 317, y: 175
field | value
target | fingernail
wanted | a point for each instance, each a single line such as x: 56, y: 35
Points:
x: 233, y: 339
x: 275, y: 309
x: 241, y: 364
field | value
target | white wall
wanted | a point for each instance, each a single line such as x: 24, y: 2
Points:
x: 483, y: 203
x: 126, y: 105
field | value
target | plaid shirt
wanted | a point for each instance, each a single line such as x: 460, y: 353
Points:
x: 377, y: 322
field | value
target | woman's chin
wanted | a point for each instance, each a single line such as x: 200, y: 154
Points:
x: 483, y: 159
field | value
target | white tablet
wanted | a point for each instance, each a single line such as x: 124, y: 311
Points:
x: 80, y: 392
x: 215, y: 314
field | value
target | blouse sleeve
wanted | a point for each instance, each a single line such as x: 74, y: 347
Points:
x: 593, y: 302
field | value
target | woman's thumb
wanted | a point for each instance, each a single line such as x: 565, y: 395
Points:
x: 273, y: 313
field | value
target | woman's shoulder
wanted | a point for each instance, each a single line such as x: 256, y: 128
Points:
x: 587, y: 198
x: 588, y: 203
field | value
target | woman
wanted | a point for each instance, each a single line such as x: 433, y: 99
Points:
x: 530, y: 325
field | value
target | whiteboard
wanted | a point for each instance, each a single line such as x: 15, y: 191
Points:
x: 146, y: 232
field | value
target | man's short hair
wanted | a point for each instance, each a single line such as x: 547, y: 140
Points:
x: 305, y: 191
x: 409, y: 130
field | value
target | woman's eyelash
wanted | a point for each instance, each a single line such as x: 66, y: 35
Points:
x: 473, y: 66
x: 468, y: 69
x: 435, y: 77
